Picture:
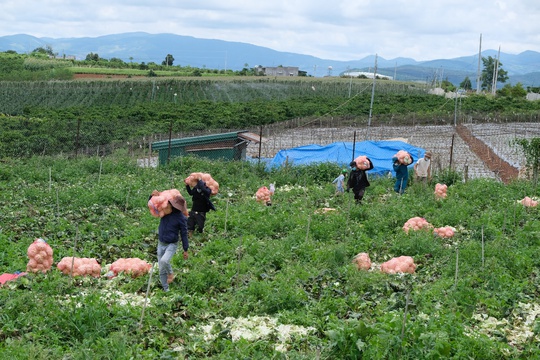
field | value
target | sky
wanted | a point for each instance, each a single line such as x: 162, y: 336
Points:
x: 335, y: 30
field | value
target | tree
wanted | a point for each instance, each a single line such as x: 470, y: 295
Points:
x: 116, y: 60
x: 489, y: 69
x: 516, y: 91
x: 246, y: 71
x: 447, y: 85
x: 47, y: 50
x: 92, y: 57
x: 466, y: 84
x: 169, y: 59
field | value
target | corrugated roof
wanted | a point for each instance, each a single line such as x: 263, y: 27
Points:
x: 249, y: 136
x: 158, y: 145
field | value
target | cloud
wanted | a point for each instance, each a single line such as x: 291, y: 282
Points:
x: 340, y: 30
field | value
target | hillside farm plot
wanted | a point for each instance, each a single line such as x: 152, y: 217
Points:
x: 441, y: 140
x: 499, y: 138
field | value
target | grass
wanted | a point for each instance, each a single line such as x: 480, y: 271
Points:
x: 127, y: 72
x: 267, y: 281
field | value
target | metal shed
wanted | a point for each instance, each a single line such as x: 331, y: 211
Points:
x: 229, y: 146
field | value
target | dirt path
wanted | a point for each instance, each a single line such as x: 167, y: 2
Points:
x: 503, y: 169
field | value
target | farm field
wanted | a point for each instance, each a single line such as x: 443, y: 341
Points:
x: 442, y: 140
x: 267, y: 281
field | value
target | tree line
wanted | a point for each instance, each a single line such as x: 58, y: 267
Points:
x: 13, y: 66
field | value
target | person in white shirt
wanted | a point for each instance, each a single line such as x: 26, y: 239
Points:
x: 422, y: 168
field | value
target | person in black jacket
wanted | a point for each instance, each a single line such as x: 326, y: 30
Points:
x: 200, y: 196
x: 358, y: 181
x: 172, y: 228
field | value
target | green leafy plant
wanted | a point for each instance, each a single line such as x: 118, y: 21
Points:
x: 290, y: 262
x: 531, y: 149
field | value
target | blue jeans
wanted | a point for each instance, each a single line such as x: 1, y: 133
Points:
x: 401, y: 185
x: 165, y: 252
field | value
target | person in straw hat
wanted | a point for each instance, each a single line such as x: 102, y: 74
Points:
x: 172, y: 229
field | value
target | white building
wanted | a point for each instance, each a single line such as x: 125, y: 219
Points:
x: 369, y: 75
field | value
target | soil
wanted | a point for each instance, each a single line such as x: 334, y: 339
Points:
x: 100, y: 76
x: 503, y: 169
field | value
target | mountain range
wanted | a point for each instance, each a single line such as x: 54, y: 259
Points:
x: 219, y: 54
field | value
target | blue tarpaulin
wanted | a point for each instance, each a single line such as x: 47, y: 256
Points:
x: 379, y: 152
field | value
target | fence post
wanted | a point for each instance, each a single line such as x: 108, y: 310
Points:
x: 169, y: 147
x: 149, y: 152
x: 353, y: 145
x: 77, y: 137
x: 260, y: 142
x: 452, y: 151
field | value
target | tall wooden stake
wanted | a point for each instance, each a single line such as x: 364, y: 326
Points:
x: 353, y: 145
x: 451, y: 152
x: 100, y: 168
x: 482, y: 245
x: 146, y: 296
x: 457, y: 267
x: 74, y: 253
x: 308, y: 225
x: 405, y: 317
x: 226, y: 214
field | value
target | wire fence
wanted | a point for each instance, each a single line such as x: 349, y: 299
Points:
x: 76, y: 138
x: 448, y: 148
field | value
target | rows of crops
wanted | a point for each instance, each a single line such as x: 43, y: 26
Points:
x: 15, y: 96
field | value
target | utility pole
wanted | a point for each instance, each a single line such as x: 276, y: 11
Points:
x: 372, y: 97
x: 478, y: 72
x: 455, y: 108
x: 350, y: 81
x: 496, y: 73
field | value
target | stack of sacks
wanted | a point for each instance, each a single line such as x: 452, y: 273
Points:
x: 527, y: 201
x: 403, y: 157
x: 40, y: 255
x: 440, y: 191
x: 402, y: 264
x: 133, y: 266
x: 362, y: 261
x: 416, y: 223
x: 363, y: 162
x: 81, y: 266
x: 263, y: 195
x: 445, y: 231
x: 193, y: 178
x: 159, y: 202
